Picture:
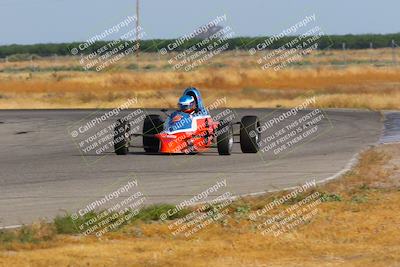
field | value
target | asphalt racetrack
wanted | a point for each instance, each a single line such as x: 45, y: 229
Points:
x: 44, y: 171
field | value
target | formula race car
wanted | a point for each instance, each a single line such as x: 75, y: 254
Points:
x: 189, y: 130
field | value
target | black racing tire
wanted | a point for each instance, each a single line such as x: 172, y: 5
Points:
x: 249, y: 135
x: 153, y: 124
x: 121, y: 137
x: 225, y: 139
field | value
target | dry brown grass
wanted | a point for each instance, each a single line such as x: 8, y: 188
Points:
x: 360, y: 230
x: 354, y: 85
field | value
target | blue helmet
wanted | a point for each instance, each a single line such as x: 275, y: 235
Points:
x: 187, y: 103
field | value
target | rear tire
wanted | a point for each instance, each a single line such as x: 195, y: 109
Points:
x: 225, y: 139
x: 121, y: 138
x: 153, y: 124
x: 249, y: 136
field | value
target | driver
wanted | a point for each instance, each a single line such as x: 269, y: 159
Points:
x: 187, y: 104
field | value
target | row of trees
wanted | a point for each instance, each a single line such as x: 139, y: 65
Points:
x: 332, y: 41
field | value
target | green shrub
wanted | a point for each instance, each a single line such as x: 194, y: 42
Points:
x: 7, y: 236
x: 22, y: 57
x: 218, y: 65
x: 325, y: 197
x: 242, y: 211
x: 66, y: 225
x: 154, y: 212
x: 149, y: 67
x: 359, y: 199
x: 27, y: 235
x: 133, y: 66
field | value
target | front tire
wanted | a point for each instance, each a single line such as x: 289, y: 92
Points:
x: 153, y: 124
x: 225, y: 139
x: 249, y: 135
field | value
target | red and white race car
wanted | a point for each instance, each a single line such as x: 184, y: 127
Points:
x: 189, y: 133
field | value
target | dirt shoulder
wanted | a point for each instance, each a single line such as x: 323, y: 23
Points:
x: 354, y: 223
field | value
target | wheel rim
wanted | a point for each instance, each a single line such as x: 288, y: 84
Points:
x: 258, y: 134
x: 230, y: 141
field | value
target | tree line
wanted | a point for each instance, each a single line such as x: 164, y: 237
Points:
x: 328, y: 41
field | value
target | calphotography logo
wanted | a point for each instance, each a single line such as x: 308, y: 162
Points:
x: 103, y: 131
x: 206, y: 42
x: 110, y: 212
x: 205, y: 211
x: 292, y: 44
x: 100, y: 58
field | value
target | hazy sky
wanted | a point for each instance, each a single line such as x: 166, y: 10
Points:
x: 42, y: 21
